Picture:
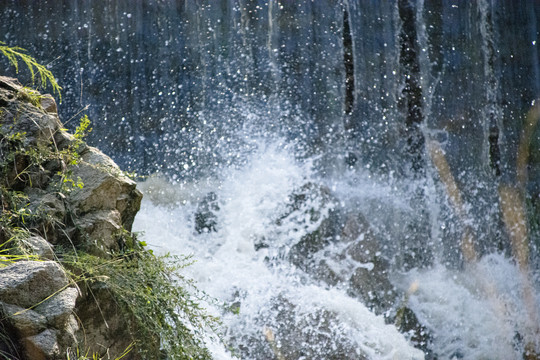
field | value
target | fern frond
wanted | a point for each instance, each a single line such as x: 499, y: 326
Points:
x: 16, y: 53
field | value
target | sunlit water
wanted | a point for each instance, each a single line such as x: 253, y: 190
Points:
x: 473, y: 313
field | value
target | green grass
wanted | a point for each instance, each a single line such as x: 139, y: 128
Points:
x: 161, y: 306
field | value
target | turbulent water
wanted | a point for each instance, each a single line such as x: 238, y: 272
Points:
x: 244, y: 261
x: 355, y: 179
x: 266, y: 290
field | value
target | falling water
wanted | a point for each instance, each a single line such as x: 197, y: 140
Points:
x: 337, y: 169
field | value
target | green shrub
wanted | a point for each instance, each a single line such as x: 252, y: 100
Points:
x: 161, y: 305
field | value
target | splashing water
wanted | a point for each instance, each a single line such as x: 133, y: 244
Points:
x: 264, y: 288
x: 275, y: 308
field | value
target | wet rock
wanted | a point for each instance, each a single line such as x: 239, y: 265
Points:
x: 286, y: 335
x: 311, y: 209
x: 407, y: 323
x: 205, y: 217
x: 303, y: 252
x: 339, y: 247
x: 369, y: 280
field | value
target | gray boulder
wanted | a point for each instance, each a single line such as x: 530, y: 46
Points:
x: 43, y: 346
x: 59, y: 308
x: 39, y: 246
x: 96, y: 232
x: 27, y: 283
x: 105, y: 188
x: 26, y: 322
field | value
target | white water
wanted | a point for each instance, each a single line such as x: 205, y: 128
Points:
x: 476, y: 313
x: 229, y: 268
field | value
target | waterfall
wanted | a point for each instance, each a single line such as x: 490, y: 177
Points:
x: 346, y: 174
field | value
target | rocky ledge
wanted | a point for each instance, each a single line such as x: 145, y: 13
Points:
x: 58, y: 195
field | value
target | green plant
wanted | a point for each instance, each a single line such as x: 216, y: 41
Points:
x: 20, y: 164
x: 31, y: 95
x: 83, y: 129
x: 161, y: 305
x: 15, y: 53
x: 76, y: 355
x: 13, y: 253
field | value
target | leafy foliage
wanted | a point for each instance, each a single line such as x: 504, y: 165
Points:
x: 159, y: 302
x: 160, y: 305
x: 15, y: 53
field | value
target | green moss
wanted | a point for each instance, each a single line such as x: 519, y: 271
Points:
x: 77, y: 355
x: 30, y: 95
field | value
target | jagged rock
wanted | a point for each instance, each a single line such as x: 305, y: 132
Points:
x: 96, y: 231
x: 10, y: 83
x: 26, y: 283
x: 50, y: 208
x: 40, y: 247
x: 43, y: 346
x: 27, y: 322
x: 105, y: 188
x: 48, y: 103
x: 38, y: 126
x: 59, y: 308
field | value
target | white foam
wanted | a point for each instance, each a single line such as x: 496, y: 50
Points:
x: 476, y: 313
x: 228, y: 266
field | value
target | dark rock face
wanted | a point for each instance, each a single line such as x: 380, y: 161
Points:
x: 205, y: 217
x: 355, y: 261
x: 43, y: 313
x: 289, y: 336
